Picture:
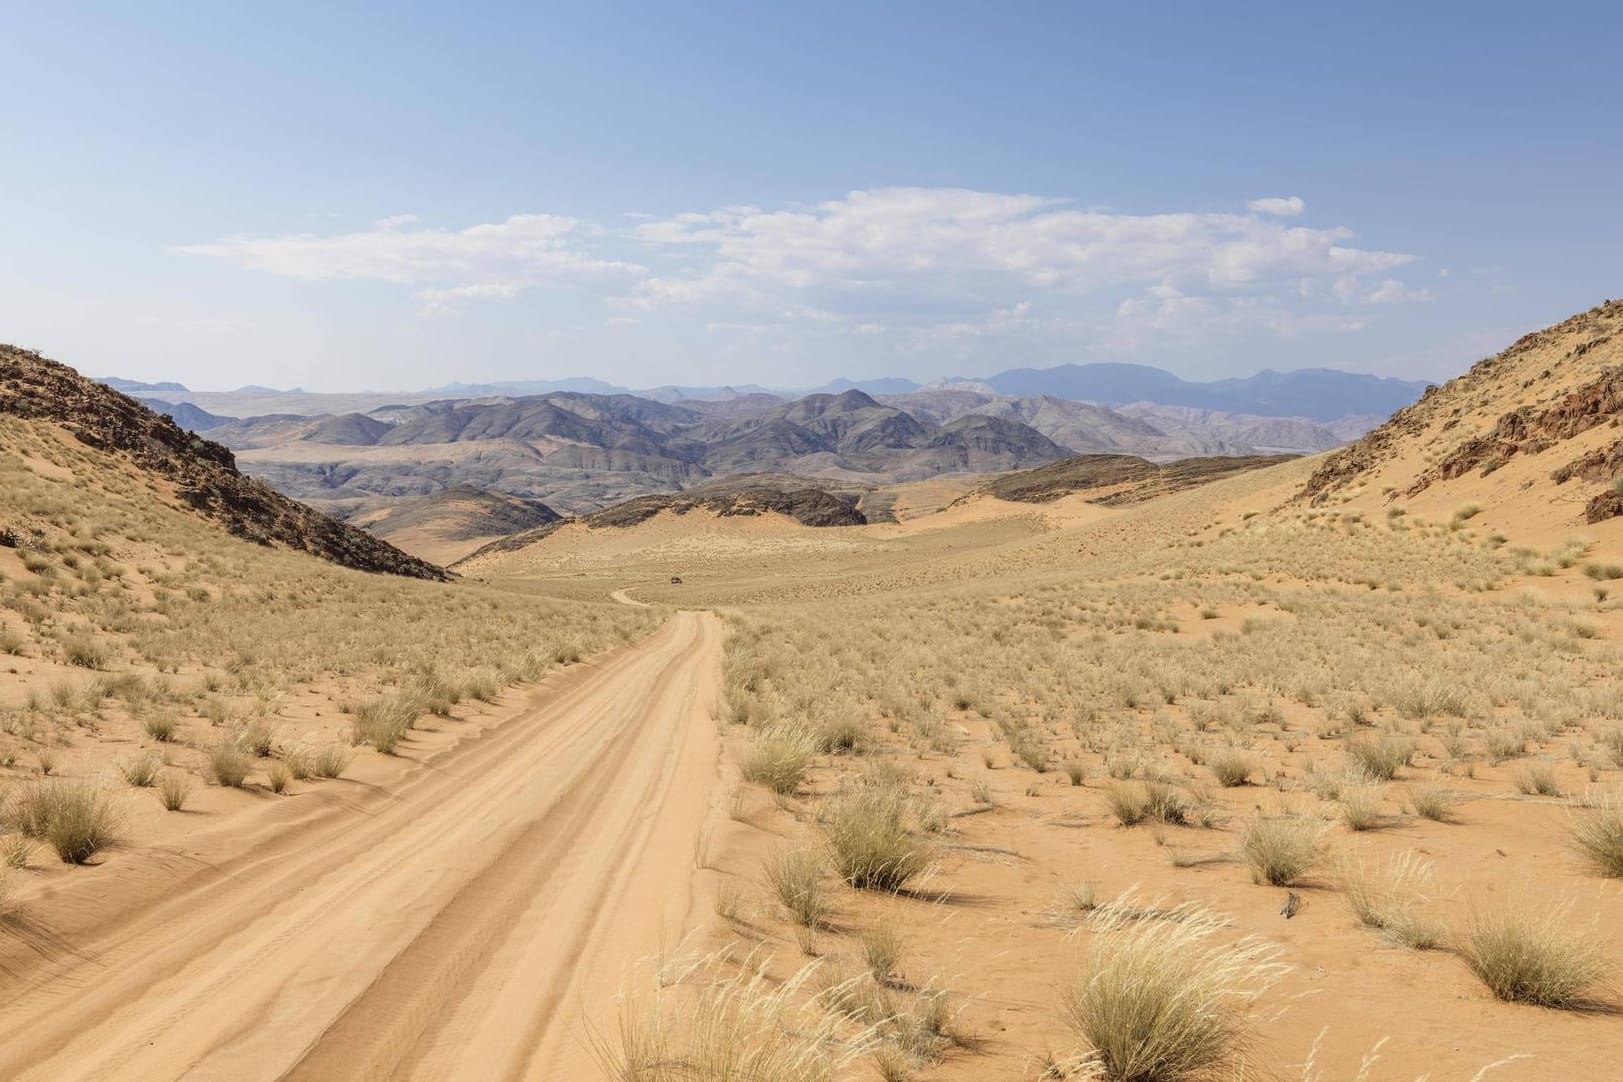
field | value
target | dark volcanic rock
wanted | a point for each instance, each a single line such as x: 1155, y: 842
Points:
x: 1124, y: 479
x: 808, y: 506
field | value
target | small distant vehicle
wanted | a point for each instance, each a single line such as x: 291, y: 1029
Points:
x: 676, y: 580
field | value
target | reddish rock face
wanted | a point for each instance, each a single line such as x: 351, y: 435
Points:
x: 1527, y: 431
x: 1606, y: 505
x: 203, y: 472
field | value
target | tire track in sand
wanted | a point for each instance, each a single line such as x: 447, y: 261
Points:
x: 470, y: 926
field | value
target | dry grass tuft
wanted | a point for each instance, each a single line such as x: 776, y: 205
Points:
x: 331, y: 761
x: 868, y: 837
x: 1537, y: 779
x: 228, y: 764
x: 140, y: 772
x: 173, y: 789
x: 1393, y: 899
x: 798, y: 879
x: 1381, y: 757
x: 161, y: 727
x: 1597, y: 835
x: 779, y: 759
x: 1537, y: 958
x: 1232, y: 767
x: 1361, y: 807
x: 733, y: 1027
x: 1166, y: 999
x: 1279, y: 850
x: 883, y: 949
x: 74, y: 818
x: 1431, y: 801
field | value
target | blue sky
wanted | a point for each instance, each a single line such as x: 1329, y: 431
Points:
x: 392, y: 196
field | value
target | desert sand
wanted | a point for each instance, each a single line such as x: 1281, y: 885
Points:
x: 452, y: 922
x: 1314, y: 742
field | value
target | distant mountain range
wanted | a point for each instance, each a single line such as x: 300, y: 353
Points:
x: 579, y: 445
x: 579, y: 451
x: 1317, y: 394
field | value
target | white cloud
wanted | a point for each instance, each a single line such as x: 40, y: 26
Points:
x: 451, y: 300
x: 920, y: 265
x: 1392, y: 291
x: 523, y: 249
x: 1279, y: 206
x: 946, y: 262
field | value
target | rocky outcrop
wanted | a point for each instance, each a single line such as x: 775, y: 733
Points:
x: 1547, y: 387
x: 204, y: 473
x: 808, y: 506
x: 1118, y: 480
x: 1529, y: 431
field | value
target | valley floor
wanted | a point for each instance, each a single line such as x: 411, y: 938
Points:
x: 1047, y: 724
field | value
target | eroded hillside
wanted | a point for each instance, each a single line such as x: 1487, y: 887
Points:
x: 201, y: 475
x: 1535, y: 431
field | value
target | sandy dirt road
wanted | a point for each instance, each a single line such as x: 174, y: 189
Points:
x: 475, y: 923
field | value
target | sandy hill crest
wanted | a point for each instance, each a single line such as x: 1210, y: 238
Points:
x: 1551, y: 406
x: 204, y: 473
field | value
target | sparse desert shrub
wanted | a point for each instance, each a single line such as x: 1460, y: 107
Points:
x: 1166, y: 1000
x: 1431, y: 801
x: 1166, y: 803
x: 1601, y: 572
x: 299, y: 762
x: 228, y: 764
x: 16, y: 851
x: 1381, y: 757
x: 1533, y: 955
x: 856, y: 995
x: 837, y: 736
x: 882, y: 951
x: 736, y: 1027
x: 798, y: 879
x: 1502, y: 744
x: 868, y: 837
x: 278, y: 775
x: 1232, y: 767
x: 173, y: 789
x: 1128, y: 802
x: 141, y: 771
x: 258, y: 739
x: 1597, y: 835
x: 1279, y: 850
x: 1076, y: 770
x: 1030, y: 752
x: 1393, y: 899
x: 1537, y: 779
x: 1428, y: 696
x: 1361, y: 807
x: 73, y: 817
x: 331, y: 761
x: 161, y: 726
x: 382, y: 722
x: 778, y: 759
x: 86, y: 651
